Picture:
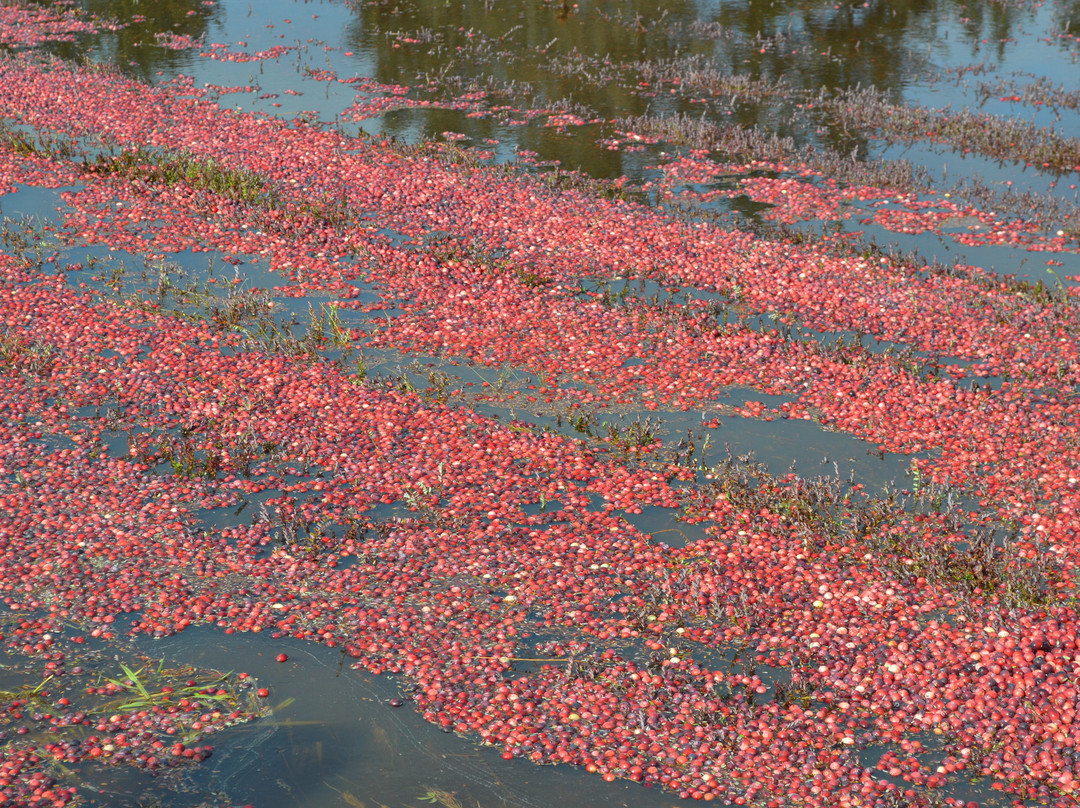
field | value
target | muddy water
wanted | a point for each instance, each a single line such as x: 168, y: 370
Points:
x: 332, y: 738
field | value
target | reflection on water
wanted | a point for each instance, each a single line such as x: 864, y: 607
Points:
x: 133, y: 48
x: 758, y: 65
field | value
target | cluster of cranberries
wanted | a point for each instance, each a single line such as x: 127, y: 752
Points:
x: 759, y: 664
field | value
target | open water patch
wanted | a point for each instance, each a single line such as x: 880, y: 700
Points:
x: 334, y: 740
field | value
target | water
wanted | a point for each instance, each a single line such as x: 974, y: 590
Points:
x: 338, y: 741
x: 494, y: 76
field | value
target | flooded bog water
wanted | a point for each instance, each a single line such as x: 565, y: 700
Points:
x: 493, y: 404
x: 334, y: 739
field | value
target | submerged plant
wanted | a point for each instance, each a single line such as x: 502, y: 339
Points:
x: 139, y: 695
